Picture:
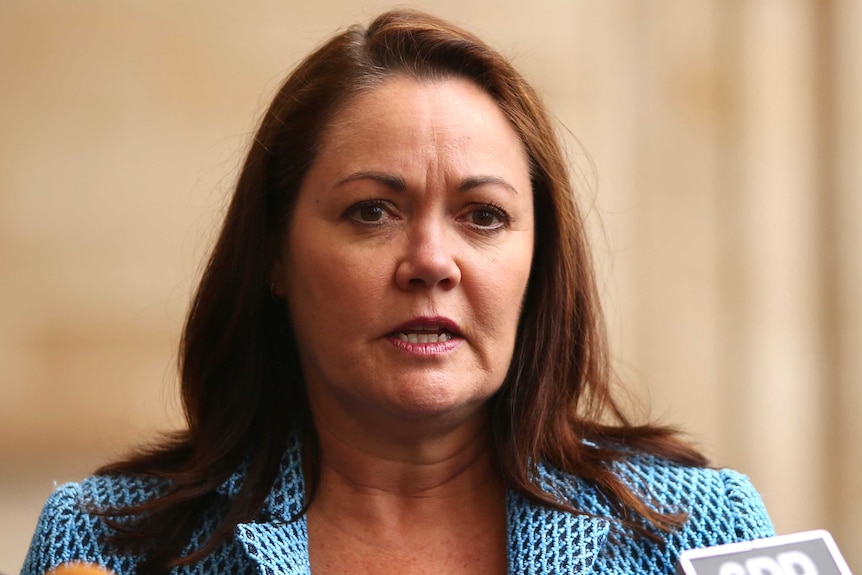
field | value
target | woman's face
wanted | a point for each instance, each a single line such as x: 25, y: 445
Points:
x: 405, y: 261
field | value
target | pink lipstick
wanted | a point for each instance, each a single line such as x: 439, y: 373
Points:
x: 426, y: 336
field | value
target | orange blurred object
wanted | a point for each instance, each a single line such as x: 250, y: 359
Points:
x: 79, y: 569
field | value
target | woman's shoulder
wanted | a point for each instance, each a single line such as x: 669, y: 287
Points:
x: 671, y: 484
x: 99, y: 493
x: 719, y: 505
x: 70, y: 527
x: 716, y: 497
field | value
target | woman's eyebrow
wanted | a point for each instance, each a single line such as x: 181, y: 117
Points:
x: 389, y: 180
x: 476, y: 181
x: 397, y: 183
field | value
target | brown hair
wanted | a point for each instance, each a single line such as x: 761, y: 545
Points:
x: 242, y: 389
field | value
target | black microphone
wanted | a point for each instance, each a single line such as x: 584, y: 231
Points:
x: 806, y: 553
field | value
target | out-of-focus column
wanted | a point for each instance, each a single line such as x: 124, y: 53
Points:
x: 845, y: 437
x: 772, y: 343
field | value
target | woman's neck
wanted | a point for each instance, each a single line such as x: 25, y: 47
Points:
x: 363, y: 463
x: 442, y: 495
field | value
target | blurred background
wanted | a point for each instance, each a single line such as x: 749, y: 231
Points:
x: 716, y: 144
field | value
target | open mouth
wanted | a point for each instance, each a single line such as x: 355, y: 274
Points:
x: 426, y: 330
x: 431, y: 336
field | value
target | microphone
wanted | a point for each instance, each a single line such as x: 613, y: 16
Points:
x: 79, y: 569
x: 806, y: 553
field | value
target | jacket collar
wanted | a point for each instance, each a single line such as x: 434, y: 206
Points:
x: 540, y: 539
x: 286, y: 498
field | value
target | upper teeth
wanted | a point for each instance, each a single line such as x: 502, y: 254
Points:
x: 413, y: 337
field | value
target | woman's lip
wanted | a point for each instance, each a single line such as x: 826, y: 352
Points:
x: 428, y: 324
x: 429, y: 350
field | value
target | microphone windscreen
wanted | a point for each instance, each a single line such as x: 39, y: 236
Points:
x: 79, y: 569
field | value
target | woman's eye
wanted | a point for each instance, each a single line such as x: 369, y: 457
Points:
x: 484, y: 218
x: 487, y: 218
x: 368, y: 213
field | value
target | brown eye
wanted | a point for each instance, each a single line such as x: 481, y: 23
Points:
x: 484, y: 218
x: 370, y: 213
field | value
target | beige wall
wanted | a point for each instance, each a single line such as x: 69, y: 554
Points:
x: 722, y: 183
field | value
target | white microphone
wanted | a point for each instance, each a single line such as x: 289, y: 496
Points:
x: 806, y: 553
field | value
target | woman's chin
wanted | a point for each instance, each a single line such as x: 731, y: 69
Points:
x: 418, y: 401
x: 437, y: 406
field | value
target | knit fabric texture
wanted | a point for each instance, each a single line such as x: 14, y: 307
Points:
x: 722, y: 507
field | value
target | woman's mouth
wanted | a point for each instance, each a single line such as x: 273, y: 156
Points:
x: 427, y: 335
x: 424, y: 336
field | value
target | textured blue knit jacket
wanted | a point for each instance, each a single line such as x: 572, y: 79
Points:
x: 723, y: 507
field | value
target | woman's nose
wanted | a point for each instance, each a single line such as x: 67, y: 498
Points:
x: 428, y: 260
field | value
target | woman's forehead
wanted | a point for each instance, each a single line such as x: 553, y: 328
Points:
x: 404, y: 119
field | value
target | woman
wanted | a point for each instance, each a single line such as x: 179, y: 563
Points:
x: 395, y: 360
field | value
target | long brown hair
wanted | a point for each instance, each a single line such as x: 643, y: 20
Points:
x: 242, y: 389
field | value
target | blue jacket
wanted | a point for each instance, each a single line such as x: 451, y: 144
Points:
x: 722, y: 506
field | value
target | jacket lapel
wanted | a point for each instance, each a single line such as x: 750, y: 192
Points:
x: 276, y: 548
x: 541, y: 540
x: 278, y: 542
x: 546, y: 541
